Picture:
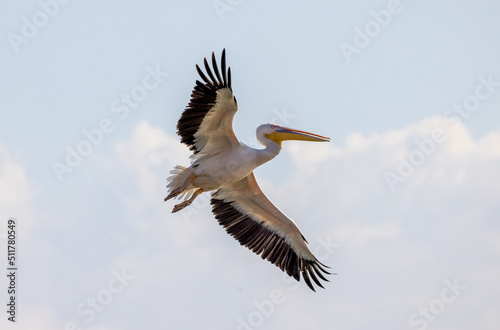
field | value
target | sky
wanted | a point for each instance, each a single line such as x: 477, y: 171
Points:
x: 403, y: 204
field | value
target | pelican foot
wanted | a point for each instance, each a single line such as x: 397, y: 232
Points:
x: 180, y: 206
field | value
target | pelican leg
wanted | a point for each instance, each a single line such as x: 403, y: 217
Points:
x: 182, y: 205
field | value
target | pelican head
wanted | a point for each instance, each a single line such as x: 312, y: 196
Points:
x: 222, y: 164
x: 278, y: 134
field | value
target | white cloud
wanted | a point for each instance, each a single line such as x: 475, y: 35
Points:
x: 428, y: 229
x: 392, y: 250
x: 14, y: 188
x: 148, y: 151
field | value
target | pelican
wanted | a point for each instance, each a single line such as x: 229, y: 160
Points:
x: 223, y: 165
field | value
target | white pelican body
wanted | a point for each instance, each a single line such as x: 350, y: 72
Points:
x: 237, y: 162
x: 224, y: 165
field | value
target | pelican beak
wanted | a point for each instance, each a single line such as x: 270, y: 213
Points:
x: 284, y: 133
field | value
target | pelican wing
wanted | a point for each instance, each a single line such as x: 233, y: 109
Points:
x: 207, y: 123
x: 250, y: 217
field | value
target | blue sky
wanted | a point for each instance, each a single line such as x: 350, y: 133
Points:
x: 403, y: 204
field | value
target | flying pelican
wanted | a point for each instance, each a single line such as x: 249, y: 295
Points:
x: 223, y: 165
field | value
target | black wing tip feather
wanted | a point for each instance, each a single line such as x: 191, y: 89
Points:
x: 202, y: 99
x: 216, y: 80
x: 268, y: 244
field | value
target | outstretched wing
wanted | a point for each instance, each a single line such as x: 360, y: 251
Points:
x: 250, y: 217
x: 206, y: 125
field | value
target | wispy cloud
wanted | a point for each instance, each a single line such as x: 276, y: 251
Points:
x: 427, y: 232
